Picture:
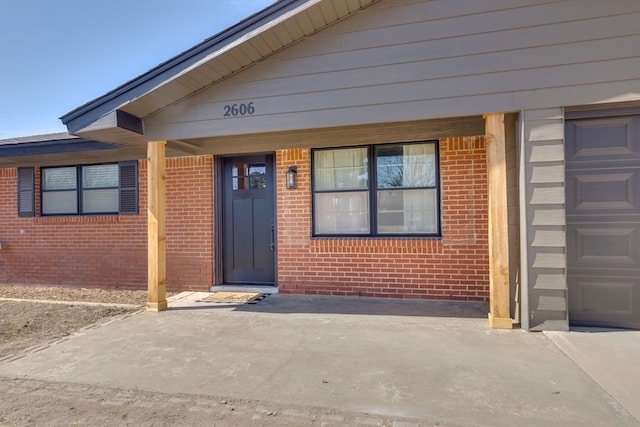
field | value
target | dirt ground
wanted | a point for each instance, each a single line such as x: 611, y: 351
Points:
x: 29, y: 326
x: 119, y: 296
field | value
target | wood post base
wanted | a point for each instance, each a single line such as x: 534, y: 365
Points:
x: 157, y: 306
x: 500, y: 322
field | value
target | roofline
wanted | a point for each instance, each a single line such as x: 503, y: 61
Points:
x: 183, y: 60
x: 57, y: 136
x: 50, y: 144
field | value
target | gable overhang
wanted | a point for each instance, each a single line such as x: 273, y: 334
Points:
x: 257, y: 37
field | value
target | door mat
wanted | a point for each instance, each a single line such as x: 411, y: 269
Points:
x: 234, y: 297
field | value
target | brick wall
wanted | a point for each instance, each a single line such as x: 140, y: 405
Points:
x: 452, y: 267
x: 111, y: 250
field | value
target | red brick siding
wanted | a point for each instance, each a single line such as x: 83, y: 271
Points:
x: 111, y: 251
x: 453, y: 267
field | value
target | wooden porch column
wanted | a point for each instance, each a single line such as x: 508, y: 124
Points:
x: 499, y: 314
x: 156, y: 216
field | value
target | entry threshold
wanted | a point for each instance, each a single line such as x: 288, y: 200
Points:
x: 263, y: 289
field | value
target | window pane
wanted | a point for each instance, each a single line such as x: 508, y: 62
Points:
x: 342, y: 213
x: 389, y: 171
x: 59, y: 202
x: 409, y: 165
x: 247, y: 176
x: 407, y: 211
x: 100, y: 176
x: 100, y: 201
x: 59, y: 179
x: 234, y: 177
x: 257, y: 176
x: 343, y: 169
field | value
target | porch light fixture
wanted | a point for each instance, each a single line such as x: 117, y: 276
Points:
x: 291, y: 177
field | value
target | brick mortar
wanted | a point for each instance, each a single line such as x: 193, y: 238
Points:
x: 454, y: 266
x: 110, y: 250
x: 79, y: 250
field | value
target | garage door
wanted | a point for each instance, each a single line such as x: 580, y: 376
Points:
x: 603, y: 219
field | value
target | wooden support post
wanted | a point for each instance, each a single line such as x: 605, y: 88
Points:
x: 156, y: 216
x: 499, y: 314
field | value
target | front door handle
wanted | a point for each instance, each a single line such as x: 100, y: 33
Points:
x: 272, y: 244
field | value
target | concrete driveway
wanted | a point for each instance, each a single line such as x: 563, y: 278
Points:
x: 610, y: 356
x: 434, y: 361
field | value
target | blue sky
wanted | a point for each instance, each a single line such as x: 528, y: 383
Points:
x: 55, y: 55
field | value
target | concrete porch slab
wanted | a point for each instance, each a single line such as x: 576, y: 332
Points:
x: 435, y: 361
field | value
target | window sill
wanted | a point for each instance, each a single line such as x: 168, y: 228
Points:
x: 79, y: 219
x: 382, y: 237
x: 379, y: 245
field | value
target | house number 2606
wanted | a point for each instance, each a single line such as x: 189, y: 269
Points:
x: 234, y: 110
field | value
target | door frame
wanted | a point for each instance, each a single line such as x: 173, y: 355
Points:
x: 218, y: 215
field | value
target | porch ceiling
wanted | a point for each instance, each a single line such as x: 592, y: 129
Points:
x: 257, y: 37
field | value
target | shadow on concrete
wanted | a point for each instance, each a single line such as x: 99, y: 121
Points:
x: 312, y: 304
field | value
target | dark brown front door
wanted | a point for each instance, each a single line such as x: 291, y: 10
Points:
x: 603, y: 220
x: 248, y: 220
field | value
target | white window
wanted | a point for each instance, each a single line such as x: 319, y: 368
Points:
x: 389, y: 189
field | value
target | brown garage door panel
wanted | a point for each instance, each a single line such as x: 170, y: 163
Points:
x: 601, y: 139
x: 603, y: 220
x: 603, y: 246
x: 604, y: 301
x: 614, y: 191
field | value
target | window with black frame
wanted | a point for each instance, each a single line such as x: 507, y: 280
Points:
x: 89, y: 189
x: 389, y: 189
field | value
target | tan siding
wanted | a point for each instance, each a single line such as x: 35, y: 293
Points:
x: 551, y: 281
x: 550, y: 174
x: 544, y: 187
x: 409, y: 11
x: 544, y: 217
x: 548, y: 303
x: 422, y: 28
x: 549, y: 238
x: 548, y: 259
x: 513, y: 198
x: 547, y: 196
x: 546, y: 153
x: 398, y: 60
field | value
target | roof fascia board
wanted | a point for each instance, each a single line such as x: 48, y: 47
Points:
x: 52, y: 147
x: 88, y: 113
x: 129, y: 122
x: 38, y: 138
x: 115, y: 119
